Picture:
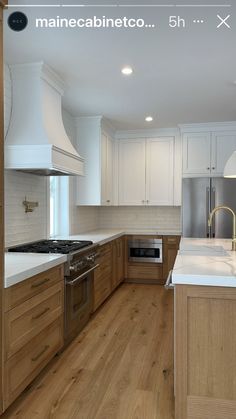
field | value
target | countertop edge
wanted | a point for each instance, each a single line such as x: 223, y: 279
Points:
x: 32, y: 271
x: 109, y: 235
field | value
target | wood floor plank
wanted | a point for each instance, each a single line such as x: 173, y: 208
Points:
x: 119, y: 367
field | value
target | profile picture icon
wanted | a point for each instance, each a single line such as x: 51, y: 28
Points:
x: 17, y: 21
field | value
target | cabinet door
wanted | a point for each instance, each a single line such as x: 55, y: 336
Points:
x: 223, y: 145
x: 107, y: 169
x: 160, y: 171
x: 196, y: 154
x: 118, y: 262
x: 171, y: 247
x: 109, y: 173
x: 205, y: 346
x: 103, y: 275
x: 132, y: 172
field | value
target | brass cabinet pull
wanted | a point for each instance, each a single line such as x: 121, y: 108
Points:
x: 40, y: 314
x: 40, y: 353
x: 38, y: 284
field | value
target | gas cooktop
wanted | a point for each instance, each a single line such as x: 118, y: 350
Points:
x: 52, y: 246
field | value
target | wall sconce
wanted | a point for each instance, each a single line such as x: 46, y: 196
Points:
x: 29, y: 205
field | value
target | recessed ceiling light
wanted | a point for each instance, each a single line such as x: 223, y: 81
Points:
x: 127, y: 70
x: 149, y: 119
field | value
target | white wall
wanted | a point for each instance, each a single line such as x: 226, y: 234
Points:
x: 159, y: 218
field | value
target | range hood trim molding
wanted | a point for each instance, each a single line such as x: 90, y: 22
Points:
x: 41, y: 157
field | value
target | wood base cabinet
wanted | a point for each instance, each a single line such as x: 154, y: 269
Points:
x: 27, y: 363
x: 170, y: 250
x: 103, y: 275
x: 142, y: 272
x: 205, y: 352
x: 110, y: 272
x: 33, y: 328
x: 118, y: 248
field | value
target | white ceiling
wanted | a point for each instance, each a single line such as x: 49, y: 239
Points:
x: 180, y: 76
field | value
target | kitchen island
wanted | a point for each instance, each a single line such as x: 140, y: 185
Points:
x: 204, y: 276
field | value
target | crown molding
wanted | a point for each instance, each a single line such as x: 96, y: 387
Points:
x: 147, y: 133
x: 208, y: 126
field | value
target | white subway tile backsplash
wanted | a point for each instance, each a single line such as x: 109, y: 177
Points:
x: 158, y: 218
x: 21, y: 227
x: 84, y: 219
x: 127, y: 218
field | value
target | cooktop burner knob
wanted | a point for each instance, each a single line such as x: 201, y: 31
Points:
x: 72, y: 268
x: 90, y: 258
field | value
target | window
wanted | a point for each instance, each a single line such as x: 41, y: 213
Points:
x: 59, y: 205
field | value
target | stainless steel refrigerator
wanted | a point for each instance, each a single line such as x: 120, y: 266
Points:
x: 200, y: 196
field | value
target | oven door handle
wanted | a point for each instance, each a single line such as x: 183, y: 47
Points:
x: 81, y: 277
x: 169, y: 284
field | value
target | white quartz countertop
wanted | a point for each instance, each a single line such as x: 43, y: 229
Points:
x: 208, y: 262
x: 104, y: 236
x: 20, y: 266
x: 97, y: 236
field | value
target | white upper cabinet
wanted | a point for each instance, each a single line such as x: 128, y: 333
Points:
x: 96, y: 145
x: 160, y: 171
x: 132, y: 172
x: 146, y: 171
x: 206, y: 153
x: 107, y: 169
x: 197, y: 153
x: 223, y: 145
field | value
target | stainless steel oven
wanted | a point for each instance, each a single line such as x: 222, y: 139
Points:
x: 79, y: 275
x: 78, y: 302
x: 145, y: 250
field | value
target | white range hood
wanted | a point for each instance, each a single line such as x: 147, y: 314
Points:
x: 36, y: 141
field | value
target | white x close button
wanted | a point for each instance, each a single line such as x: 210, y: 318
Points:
x: 224, y: 21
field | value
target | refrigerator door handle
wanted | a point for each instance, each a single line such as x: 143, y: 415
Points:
x: 213, y: 204
x: 208, y: 208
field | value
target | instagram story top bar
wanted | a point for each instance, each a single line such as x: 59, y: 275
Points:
x: 122, y: 5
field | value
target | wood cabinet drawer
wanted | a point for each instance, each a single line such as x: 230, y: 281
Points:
x: 172, y: 240
x: 102, y: 289
x: 28, y: 319
x: 145, y: 272
x: 21, y: 292
x: 104, y: 269
x: 104, y: 250
x: 24, y: 366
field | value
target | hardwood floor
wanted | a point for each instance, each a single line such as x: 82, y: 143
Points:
x: 120, y: 366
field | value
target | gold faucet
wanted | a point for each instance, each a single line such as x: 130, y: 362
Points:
x: 234, y: 222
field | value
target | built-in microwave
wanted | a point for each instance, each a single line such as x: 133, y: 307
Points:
x: 145, y: 250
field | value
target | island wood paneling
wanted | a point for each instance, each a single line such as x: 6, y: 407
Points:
x: 205, y: 347
x: 2, y: 4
